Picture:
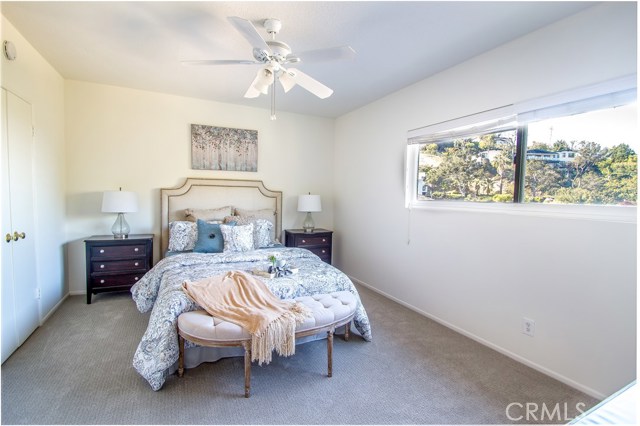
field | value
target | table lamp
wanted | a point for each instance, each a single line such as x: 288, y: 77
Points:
x: 120, y: 202
x: 309, y: 203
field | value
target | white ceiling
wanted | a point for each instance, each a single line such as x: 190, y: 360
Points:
x: 140, y: 44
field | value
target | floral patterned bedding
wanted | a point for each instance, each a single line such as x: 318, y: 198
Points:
x: 161, y: 292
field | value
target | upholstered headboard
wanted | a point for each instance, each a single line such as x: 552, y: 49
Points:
x: 201, y: 193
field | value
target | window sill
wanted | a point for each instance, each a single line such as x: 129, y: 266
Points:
x: 619, y: 214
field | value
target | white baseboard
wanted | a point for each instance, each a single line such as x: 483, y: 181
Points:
x: 589, y: 391
x: 55, y: 308
x: 77, y: 293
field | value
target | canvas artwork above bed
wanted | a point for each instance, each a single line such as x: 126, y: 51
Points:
x: 213, y: 226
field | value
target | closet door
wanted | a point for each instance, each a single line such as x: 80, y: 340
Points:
x: 20, y: 306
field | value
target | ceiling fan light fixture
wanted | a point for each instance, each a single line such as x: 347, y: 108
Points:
x: 260, y: 84
x: 251, y: 93
x: 286, y: 81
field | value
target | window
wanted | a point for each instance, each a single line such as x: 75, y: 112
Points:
x: 597, y: 162
x: 582, y: 152
x: 475, y: 168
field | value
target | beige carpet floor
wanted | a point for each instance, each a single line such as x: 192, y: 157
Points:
x: 76, y: 369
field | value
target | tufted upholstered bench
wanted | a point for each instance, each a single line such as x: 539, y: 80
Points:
x: 329, y: 311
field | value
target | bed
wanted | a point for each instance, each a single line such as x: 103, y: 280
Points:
x: 160, y: 290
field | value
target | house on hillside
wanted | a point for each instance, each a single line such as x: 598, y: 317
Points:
x: 551, y: 156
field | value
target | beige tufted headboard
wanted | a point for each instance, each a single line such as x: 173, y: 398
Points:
x: 201, y: 193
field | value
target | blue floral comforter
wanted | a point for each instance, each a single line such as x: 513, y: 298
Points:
x: 160, y: 291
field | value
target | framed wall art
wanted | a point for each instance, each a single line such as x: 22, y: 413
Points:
x: 223, y: 148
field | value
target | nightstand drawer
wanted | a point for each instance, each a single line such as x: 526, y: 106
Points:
x: 119, y: 265
x: 112, y: 251
x: 312, y: 241
x: 319, y: 242
x: 116, y: 280
x: 322, y: 252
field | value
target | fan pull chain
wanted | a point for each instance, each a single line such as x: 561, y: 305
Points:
x: 273, y: 98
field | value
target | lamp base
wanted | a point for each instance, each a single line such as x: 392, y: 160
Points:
x: 120, y: 228
x: 308, y: 224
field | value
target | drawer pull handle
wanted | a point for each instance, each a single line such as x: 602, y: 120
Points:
x: 324, y: 240
x: 101, y: 281
x: 324, y: 251
x: 101, y: 250
x: 101, y: 266
x: 136, y: 264
x: 135, y: 278
x: 304, y: 241
x: 135, y: 249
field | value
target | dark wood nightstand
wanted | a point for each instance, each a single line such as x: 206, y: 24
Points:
x: 319, y: 241
x: 116, y: 265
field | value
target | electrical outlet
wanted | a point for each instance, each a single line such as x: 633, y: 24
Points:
x: 528, y: 326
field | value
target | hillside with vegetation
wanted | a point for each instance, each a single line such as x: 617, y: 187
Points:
x: 482, y: 170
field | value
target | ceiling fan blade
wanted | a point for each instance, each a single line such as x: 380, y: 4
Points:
x: 309, y: 83
x: 220, y: 62
x: 329, y: 54
x: 249, y: 32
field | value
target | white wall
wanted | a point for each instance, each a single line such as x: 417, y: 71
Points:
x: 480, y: 273
x: 141, y: 141
x: 34, y: 80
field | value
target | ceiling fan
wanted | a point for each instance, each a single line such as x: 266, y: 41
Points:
x: 274, y: 55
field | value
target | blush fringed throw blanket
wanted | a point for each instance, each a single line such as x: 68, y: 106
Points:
x: 245, y: 300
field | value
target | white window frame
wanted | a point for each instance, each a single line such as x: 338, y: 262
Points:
x: 571, y: 102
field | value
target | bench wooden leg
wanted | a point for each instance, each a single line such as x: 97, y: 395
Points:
x: 180, y: 356
x: 329, y: 353
x: 247, y: 369
x: 347, y: 331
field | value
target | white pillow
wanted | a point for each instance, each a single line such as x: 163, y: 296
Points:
x: 182, y: 236
x: 237, y: 238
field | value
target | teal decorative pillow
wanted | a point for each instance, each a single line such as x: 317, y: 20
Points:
x: 209, y: 238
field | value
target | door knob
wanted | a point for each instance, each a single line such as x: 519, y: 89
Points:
x: 17, y: 236
x: 8, y: 238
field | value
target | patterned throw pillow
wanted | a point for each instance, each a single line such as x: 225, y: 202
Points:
x: 208, y: 215
x: 182, y: 236
x: 237, y: 238
x: 262, y: 233
x: 238, y: 220
x: 210, y: 238
x: 265, y: 214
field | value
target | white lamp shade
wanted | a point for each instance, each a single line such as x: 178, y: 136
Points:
x: 309, y: 203
x: 119, y: 202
